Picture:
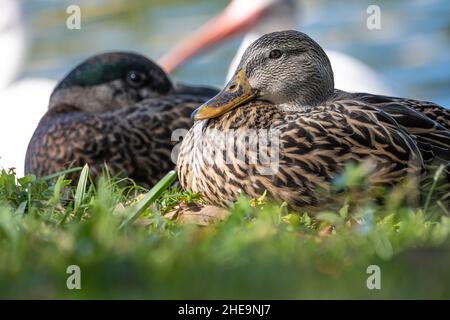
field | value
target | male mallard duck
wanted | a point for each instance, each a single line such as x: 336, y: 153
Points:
x: 283, y: 92
x: 115, y: 108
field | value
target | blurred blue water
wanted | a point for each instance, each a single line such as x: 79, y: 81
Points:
x: 411, y: 51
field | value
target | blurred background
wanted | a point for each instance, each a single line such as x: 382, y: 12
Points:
x: 410, y: 53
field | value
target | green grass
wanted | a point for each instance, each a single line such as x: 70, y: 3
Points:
x: 126, y: 248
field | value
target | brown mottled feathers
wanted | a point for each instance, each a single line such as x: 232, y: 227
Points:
x: 426, y: 122
x: 114, y: 108
x: 315, y: 144
x: 320, y: 130
x: 134, y: 141
x: 428, y: 109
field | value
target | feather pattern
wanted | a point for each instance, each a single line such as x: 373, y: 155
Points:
x: 129, y: 130
x: 318, y: 132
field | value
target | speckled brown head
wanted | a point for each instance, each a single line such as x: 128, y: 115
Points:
x: 285, y: 67
x: 111, y: 81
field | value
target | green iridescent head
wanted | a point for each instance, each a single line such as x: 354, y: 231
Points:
x: 110, y: 81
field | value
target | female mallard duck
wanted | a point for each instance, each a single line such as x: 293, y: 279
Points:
x: 114, y: 108
x: 279, y: 125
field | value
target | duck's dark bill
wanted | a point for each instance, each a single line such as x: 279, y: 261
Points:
x: 237, y: 92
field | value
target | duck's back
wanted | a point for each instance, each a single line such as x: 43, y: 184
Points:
x: 431, y: 110
x: 134, y: 141
x: 428, y: 123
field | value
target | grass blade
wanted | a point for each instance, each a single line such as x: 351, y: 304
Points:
x: 150, y: 197
x: 81, y: 188
x: 436, y: 177
x: 62, y: 172
x: 55, y: 199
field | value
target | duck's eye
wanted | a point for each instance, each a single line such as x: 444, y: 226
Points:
x: 275, y: 54
x: 135, y: 78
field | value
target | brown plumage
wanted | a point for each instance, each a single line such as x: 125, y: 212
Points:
x: 284, y: 84
x: 115, y: 108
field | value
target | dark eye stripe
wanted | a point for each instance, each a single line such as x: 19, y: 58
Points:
x: 296, y: 51
x: 276, y: 53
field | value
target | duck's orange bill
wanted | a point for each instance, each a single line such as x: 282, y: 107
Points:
x: 237, y: 92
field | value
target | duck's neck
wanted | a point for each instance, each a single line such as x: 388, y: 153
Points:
x: 302, y: 97
x: 313, y: 99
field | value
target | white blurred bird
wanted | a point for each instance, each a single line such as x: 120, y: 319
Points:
x: 22, y: 102
x: 256, y: 18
